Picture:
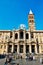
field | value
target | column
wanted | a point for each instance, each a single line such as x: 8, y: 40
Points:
x: 24, y: 49
x: 13, y: 36
x: 12, y: 47
x: 29, y: 36
x: 30, y: 48
x: 6, y: 48
x: 35, y: 49
x: 24, y: 35
x: 39, y: 48
x: 18, y: 48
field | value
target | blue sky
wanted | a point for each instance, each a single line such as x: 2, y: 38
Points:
x: 15, y: 12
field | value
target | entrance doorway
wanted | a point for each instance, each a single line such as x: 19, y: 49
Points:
x: 9, y: 48
x: 27, y: 48
x: 33, y: 48
x: 21, y: 49
x: 15, y: 48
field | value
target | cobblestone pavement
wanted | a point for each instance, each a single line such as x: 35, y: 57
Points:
x: 24, y: 62
x: 2, y: 61
x: 27, y: 62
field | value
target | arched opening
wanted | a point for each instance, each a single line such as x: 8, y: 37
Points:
x: 27, y: 35
x: 27, y: 48
x: 15, y: 49
x: 21, y: 49
x: 21, y: 34
x: 33, y: 48
x: 16, y: 36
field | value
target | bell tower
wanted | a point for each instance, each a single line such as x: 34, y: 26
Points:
x: 31, y: 21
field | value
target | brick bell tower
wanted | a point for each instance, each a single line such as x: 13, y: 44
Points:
x: 31, y: 21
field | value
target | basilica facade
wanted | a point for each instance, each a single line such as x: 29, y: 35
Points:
x: 22, y: 40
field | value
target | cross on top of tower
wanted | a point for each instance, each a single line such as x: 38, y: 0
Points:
x: 30, y: 12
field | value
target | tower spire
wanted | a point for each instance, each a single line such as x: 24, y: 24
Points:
x: 30, y: 12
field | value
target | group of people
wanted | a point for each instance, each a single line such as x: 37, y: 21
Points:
x: 31, y: 58
x: 8, y: 59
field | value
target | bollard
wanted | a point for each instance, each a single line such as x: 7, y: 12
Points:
x: 40, y: 60
x: 33, y: 57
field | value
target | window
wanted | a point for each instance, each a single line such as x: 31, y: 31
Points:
x: 31, y: 35
x: 30, y: 21
x: 32, y: 17
x: 27, y: 36
x: 16, y: 36
x: 5, y: 47
x: 1, y: 46
x: 6, y: 37
x: 21, y: 34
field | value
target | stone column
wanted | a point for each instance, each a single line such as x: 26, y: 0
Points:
x: 18, y: 48
x: 24, y: 35
x: 30, y: 48
x: 35, y: 49
x: 13, y: 36
x: 6, y: 48
x: 29, y: 36
x: 12, y: 47
x: 39, y: 48
x: 24, y: 49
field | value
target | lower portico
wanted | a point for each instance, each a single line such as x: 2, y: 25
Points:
x: 22, y: 48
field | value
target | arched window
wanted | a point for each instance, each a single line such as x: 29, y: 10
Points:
x: 16, y: 36
x: 27, y: 35
x: 30, y: 21
x: 21, y: 34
